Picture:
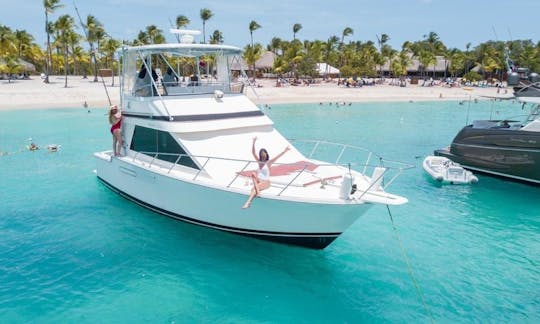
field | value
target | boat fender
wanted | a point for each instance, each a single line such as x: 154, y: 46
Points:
x: 218, y: 94
x: 346, y: 186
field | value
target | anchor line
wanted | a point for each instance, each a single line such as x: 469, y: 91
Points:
x: 409, y: 268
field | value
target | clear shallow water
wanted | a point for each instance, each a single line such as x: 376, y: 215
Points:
x: 71, y: 250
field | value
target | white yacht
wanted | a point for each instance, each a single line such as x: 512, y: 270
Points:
x: 187, y: 153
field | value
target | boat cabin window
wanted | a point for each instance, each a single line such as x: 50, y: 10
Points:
x: 161, y: 145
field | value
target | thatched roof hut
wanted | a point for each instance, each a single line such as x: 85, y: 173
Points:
x: 25, y: 66
x: 266, y: 61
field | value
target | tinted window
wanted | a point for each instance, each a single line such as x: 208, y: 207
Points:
x: 150, y: 141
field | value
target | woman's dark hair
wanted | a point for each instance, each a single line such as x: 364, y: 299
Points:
x: 142, y: 72
x: 260, y: 155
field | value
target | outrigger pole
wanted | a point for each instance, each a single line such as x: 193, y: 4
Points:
x: 92, y: 50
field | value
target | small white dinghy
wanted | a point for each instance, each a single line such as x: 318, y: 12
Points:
x: 445, y: 170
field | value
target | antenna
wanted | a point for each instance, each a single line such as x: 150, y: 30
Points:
x: 509, y: 33
x: 172, y: 26
x: 494, y: 32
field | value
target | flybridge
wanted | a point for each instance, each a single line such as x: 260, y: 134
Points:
x: 188, y: 50
x: 185, y: 46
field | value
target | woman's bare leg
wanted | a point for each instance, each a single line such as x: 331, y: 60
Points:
x: 257, y: 188
x: 118, y: 141
x: 114, y: 144
x: 251, y: 196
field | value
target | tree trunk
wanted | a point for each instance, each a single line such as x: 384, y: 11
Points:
x: 66, y: 67
x: 49, y: 54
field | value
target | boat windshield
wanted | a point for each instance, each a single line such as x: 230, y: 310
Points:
x: 177, y: 69
x: 534, y: 115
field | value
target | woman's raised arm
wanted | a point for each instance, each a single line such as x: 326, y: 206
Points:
x: 279, y: 155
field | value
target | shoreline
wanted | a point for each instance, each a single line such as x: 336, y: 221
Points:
x: 34, y: 94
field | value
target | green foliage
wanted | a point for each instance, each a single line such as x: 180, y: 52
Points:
x: 356, y: 58
x: 252, y: 54
x: 182, y: 21
x: 472, y: 76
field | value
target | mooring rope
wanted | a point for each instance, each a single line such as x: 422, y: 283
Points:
x: 409, y: 268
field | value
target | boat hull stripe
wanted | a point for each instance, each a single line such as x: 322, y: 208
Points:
x: 311, y: 240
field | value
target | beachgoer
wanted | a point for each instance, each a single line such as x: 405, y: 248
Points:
x: 261, y: 178
x: 33, y: 147
x: 170, y: 79
x: 115, y: 119
x: 144, y: 87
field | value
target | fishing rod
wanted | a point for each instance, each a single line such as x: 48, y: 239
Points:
x: 92, y: 51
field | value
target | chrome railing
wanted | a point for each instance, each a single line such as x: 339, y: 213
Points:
x: 202, y: 162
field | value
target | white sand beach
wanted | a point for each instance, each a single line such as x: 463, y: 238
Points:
x: 33, y: 93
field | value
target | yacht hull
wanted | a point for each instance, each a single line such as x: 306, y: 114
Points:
x: 507, y: 153
x: 307, y: 224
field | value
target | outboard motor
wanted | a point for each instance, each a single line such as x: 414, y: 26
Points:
x: 534, y: 77
x: 513, y: 79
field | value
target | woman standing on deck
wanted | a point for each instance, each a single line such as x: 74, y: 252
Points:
x: 115, y: 119
x: 261, y: 178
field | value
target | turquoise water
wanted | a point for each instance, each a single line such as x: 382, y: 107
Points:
x: 73, y: 251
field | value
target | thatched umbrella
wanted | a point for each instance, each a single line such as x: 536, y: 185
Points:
x: 24, y: 65
x: 27, y: 66
x: 266, y: 61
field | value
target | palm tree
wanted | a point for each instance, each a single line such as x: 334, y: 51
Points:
x: 93, y: 26
x: 206, y: 14
x: 50, y: 6
x: 109, y: 47
x: 10, y: 66
x: 426, y: 58
x: 294, y: 55
x: 467, y: 56
x: 23, y: 40
x: 182, y: 21
x: 275, y: 45
x: 385, y: 51
x: 296, y: 28
x: 400, y: 63
x: 7, y: 41
x: 251, y: 55
x: 529, y: 57
x: 64, y: 25
x: 73, y: 40
x: 155, y: 35
x: 142, y: 38
x: 253, y: 26
x: 329, y: 51
x: 346, y: 32
x: 217, y: 37
x: 457, y: 59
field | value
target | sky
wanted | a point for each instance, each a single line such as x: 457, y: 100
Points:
x: 457, y: 22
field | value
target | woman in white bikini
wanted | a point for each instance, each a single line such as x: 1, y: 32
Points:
x: 261, y: 178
